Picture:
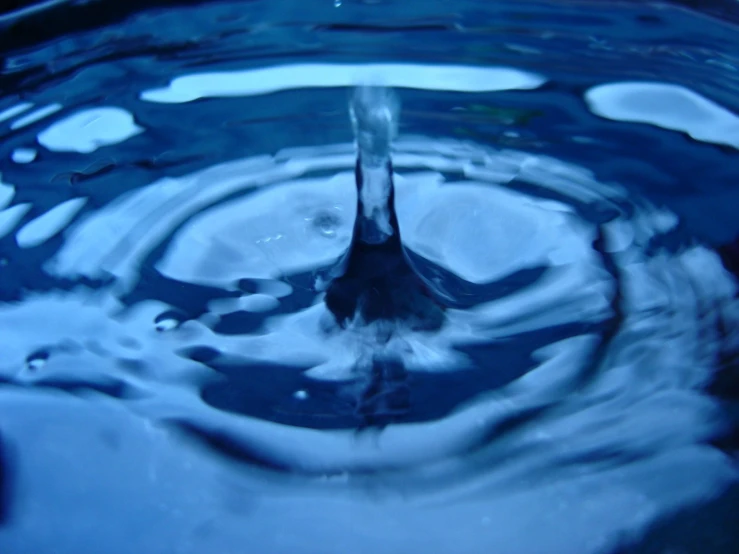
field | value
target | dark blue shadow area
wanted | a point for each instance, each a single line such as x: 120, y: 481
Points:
x: 7, y: 480
x: 709, y: 528
x: 268, y: 391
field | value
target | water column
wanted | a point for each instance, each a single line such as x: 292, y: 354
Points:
x: 374, y: 114
x: 375, y: 284
x: 377, y: 292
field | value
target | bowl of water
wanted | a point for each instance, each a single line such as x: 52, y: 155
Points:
x: 369, y: 276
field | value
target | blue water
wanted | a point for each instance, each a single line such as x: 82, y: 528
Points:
x: 489, y: 306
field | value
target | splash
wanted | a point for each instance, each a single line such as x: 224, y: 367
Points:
x: 162, y: 325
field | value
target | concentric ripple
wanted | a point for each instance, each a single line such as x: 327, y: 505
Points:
x: 567, y: 321
x: 167, y: 351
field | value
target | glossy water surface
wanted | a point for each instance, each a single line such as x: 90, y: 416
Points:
x: 558, y: 352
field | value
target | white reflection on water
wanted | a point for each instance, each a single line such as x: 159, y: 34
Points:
x: 250, y: 82
x: 34, y: 116
x: 669, y: 106
x: 39, y: 230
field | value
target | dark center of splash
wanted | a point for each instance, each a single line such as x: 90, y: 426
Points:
x: 377, y: 284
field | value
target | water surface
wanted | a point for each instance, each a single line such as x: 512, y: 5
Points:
x: 178, y: 189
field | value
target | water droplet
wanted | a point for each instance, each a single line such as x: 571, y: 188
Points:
x: 337, y: 3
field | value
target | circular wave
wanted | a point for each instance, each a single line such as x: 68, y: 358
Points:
x: 170, y: 346
x: 570, y: 328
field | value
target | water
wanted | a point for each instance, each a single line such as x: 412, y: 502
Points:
x: 212, y: 341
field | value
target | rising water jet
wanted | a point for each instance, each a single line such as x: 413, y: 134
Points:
x: 375, y: 287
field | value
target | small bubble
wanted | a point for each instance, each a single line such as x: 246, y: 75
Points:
x: 326, y: 223
x: 168, y: 320
x: 37, y: 360
x: 301, y: 394
x: 166, y: 325
x: 337, y: 3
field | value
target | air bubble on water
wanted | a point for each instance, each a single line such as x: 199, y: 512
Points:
x: 37, y: 360
x: 326, y: 223
x: 168, y: 321
x: 300, y: 394
x: 337, y: 3
x: 166, y: 325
